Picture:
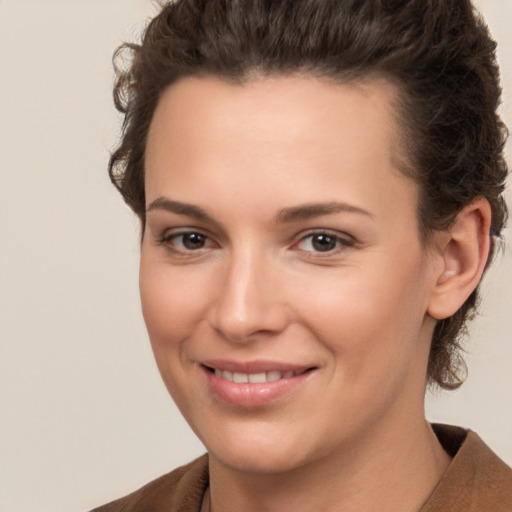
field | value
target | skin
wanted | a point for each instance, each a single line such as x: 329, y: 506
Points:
x: 351, y: 435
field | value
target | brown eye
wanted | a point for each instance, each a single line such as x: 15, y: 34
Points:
x: 323, y: 242
x: 186, y: 242
x: 193, y: 241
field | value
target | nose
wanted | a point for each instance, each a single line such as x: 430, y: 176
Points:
x: 248, y: 302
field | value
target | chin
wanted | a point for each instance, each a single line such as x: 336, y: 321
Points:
x: 257, y: 461
x: 259, y: 452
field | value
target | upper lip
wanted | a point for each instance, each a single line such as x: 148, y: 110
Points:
x: 257, y: 366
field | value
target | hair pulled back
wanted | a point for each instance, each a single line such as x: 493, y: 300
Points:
x: 438, y: 53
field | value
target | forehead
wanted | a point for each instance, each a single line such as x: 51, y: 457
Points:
x: 288, y: 103
x: 292, y: 136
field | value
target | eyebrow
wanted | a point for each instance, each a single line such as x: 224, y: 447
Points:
x: 311, y: 210
x: 190, y: 210
x: 290, y: 214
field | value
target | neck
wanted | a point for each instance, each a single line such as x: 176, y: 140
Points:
x: 396, y: 470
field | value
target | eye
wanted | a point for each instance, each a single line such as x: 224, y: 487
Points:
x: 186, y: 241
x: 323, y: 242
x: 192, y: 241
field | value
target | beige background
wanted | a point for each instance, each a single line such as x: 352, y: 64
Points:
x: 83, y: 415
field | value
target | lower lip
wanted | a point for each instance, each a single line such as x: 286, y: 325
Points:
x: 249, y: 395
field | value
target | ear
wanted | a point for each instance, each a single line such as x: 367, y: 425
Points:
x: 464, y: 249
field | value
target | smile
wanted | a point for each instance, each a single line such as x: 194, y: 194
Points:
x: 256, y: 378
x: 254, y: 384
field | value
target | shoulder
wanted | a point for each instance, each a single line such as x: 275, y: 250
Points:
x: 476, y: 480
x: 181, y: 489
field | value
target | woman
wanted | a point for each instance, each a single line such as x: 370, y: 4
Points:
x: 319, y: 185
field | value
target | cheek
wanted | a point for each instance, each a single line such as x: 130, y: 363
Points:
x: 370, y: 316
x: 173, y: 307
x: 172, y: 302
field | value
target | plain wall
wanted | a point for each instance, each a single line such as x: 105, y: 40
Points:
x: 84, y: 417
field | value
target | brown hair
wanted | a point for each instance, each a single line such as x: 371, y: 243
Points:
x: 438, y: 52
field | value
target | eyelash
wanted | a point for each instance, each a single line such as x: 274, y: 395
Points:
x: 168, y: 240
x: 341, y: 242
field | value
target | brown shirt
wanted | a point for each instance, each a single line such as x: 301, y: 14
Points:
x: 476, y: 481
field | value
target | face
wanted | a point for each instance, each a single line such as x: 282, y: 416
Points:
x: 283, y: 282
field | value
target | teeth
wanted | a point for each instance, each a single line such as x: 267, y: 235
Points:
x: 255, y: 378
x: 273, y: 375
x: 240, y: 378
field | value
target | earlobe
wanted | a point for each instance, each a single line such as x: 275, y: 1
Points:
x: 464, y: 252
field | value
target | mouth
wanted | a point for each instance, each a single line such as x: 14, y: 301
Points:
x: 256, y: 378
x: 254, y: 384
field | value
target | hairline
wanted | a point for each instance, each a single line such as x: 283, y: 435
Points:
x: 400, y: 152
